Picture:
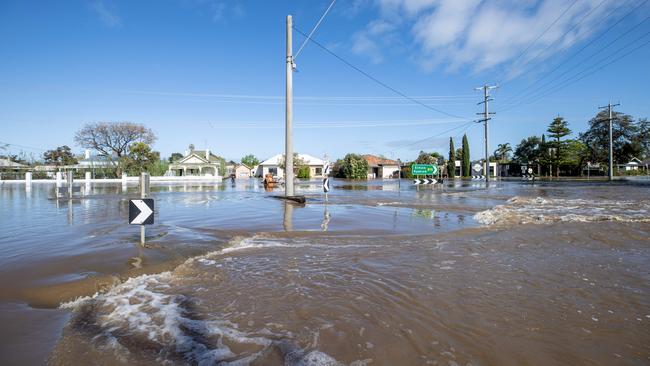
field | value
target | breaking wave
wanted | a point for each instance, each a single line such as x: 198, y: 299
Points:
x: 522, y: 210
x: 146, y: 313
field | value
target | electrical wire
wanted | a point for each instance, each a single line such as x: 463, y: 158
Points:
x: 523, y: 95
x: 585, y: 17
x: 538, y: 37
x: 313, y: 30
x: 381, y: 83
x: 526, y: 89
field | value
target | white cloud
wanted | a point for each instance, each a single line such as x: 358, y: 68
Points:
x: 479, y: 34
x: 107, y: 17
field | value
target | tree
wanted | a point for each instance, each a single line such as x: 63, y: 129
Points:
x: 139, y: 159
x: 250, y: 160
x: 354, y: 166
x: 556, y: 130
x: 575, y: 156
x: 629, y: 139
x: 451, y: 164
x: 428, y: 158
x: 175, y: 157
x: 502, y: 152
x: 113, y: 137
x: 62, y: 155
x: 528, y: 150
x: 465, y: 157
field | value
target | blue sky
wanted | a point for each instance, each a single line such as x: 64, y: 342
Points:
x: 211, y: 72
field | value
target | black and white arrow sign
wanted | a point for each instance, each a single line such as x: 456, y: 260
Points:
x: 326, y: 185
x: 141, y: 211
x: 424, y: 181
x: 327, y: 169
x: 478, y: 177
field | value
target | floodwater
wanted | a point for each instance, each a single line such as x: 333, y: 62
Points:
x: 369, y: 274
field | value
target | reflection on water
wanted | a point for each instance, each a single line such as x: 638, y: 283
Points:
x: 366, y: 274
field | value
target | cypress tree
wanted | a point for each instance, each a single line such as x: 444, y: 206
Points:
x: 451, y: 163
x: 465, y: 157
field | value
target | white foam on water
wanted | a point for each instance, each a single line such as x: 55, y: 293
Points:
x: 142, y: 308
x: 524, y: 210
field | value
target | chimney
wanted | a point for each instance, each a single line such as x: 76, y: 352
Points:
x: 187, y: 152
x: 207, y: 154
x: 87, y: 154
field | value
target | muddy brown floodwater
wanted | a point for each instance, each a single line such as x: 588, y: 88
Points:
x: 371, y: 274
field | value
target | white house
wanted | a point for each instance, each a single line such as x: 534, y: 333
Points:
x: 633, y: 164
x: 379, y: 167
x: 196, y: 162
x: 272, y: 166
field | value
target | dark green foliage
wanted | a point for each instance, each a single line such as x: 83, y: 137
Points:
x: 354, y: 166
x: 465, y: 160
x: 62, y: 155
x: 451, y: 163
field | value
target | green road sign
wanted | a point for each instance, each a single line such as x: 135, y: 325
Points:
x: 424, y: 169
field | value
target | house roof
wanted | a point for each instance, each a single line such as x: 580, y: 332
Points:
x: 8, y: 163
x: 94, y: 159
x: 213, y: 158
x: 378, y: 161
x: 310, y: 160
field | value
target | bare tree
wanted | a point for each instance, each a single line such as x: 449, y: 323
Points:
x: 113, y: 137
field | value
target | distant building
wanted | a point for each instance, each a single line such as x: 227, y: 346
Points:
x: 379, y: 167
x: 196, y: 162
x: 633, y: 164
x: 242, y: 171
x: 96, y: 161
x: 7, y: 164
x: 272, y: 166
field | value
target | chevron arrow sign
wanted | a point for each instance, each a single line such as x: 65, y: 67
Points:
x: 424, y: 181
x: 141, y: 211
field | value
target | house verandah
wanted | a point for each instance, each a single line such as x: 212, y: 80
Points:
x: 196, y: 163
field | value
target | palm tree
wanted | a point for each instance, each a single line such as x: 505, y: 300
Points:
x: 502, y: 152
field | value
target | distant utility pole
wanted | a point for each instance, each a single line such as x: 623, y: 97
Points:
x: 611, y: 140
x: 486, y: 117
x: 288, y: 132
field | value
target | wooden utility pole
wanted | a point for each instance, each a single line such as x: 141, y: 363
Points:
x: 611, y: 140
x: 288, y: 132
x: 486, y: 117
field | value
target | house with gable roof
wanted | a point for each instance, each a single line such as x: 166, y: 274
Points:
x: 196, y: 163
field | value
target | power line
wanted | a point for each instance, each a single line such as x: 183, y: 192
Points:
x: 278, y: 97
x: 540, y: 36
x: 559, y: 38
x: 313, y: 30
x: 377, y: 80
x: 572, y: 80
x: 524, y: 95
x: 524, y: 91
x: 465, y: 125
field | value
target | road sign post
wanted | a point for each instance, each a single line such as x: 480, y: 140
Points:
x: 141, y: 211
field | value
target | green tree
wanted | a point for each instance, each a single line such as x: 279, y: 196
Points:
x: 139, y: 159
x: 575, y: 156
x: 428, y: 158
x: 630, y: 139
x: 250, y: 160
x: 354, y: 166
x: 528, y: 150
x: 558, y: 129
x: 62, y: 155
x: 304, y: 172
x: 465, y: 161
x: 175, y: 157
x: 451, y: 163
x: 502, y: 153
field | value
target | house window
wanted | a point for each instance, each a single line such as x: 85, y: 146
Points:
x: 319, y: 171
x: 273, y: 171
